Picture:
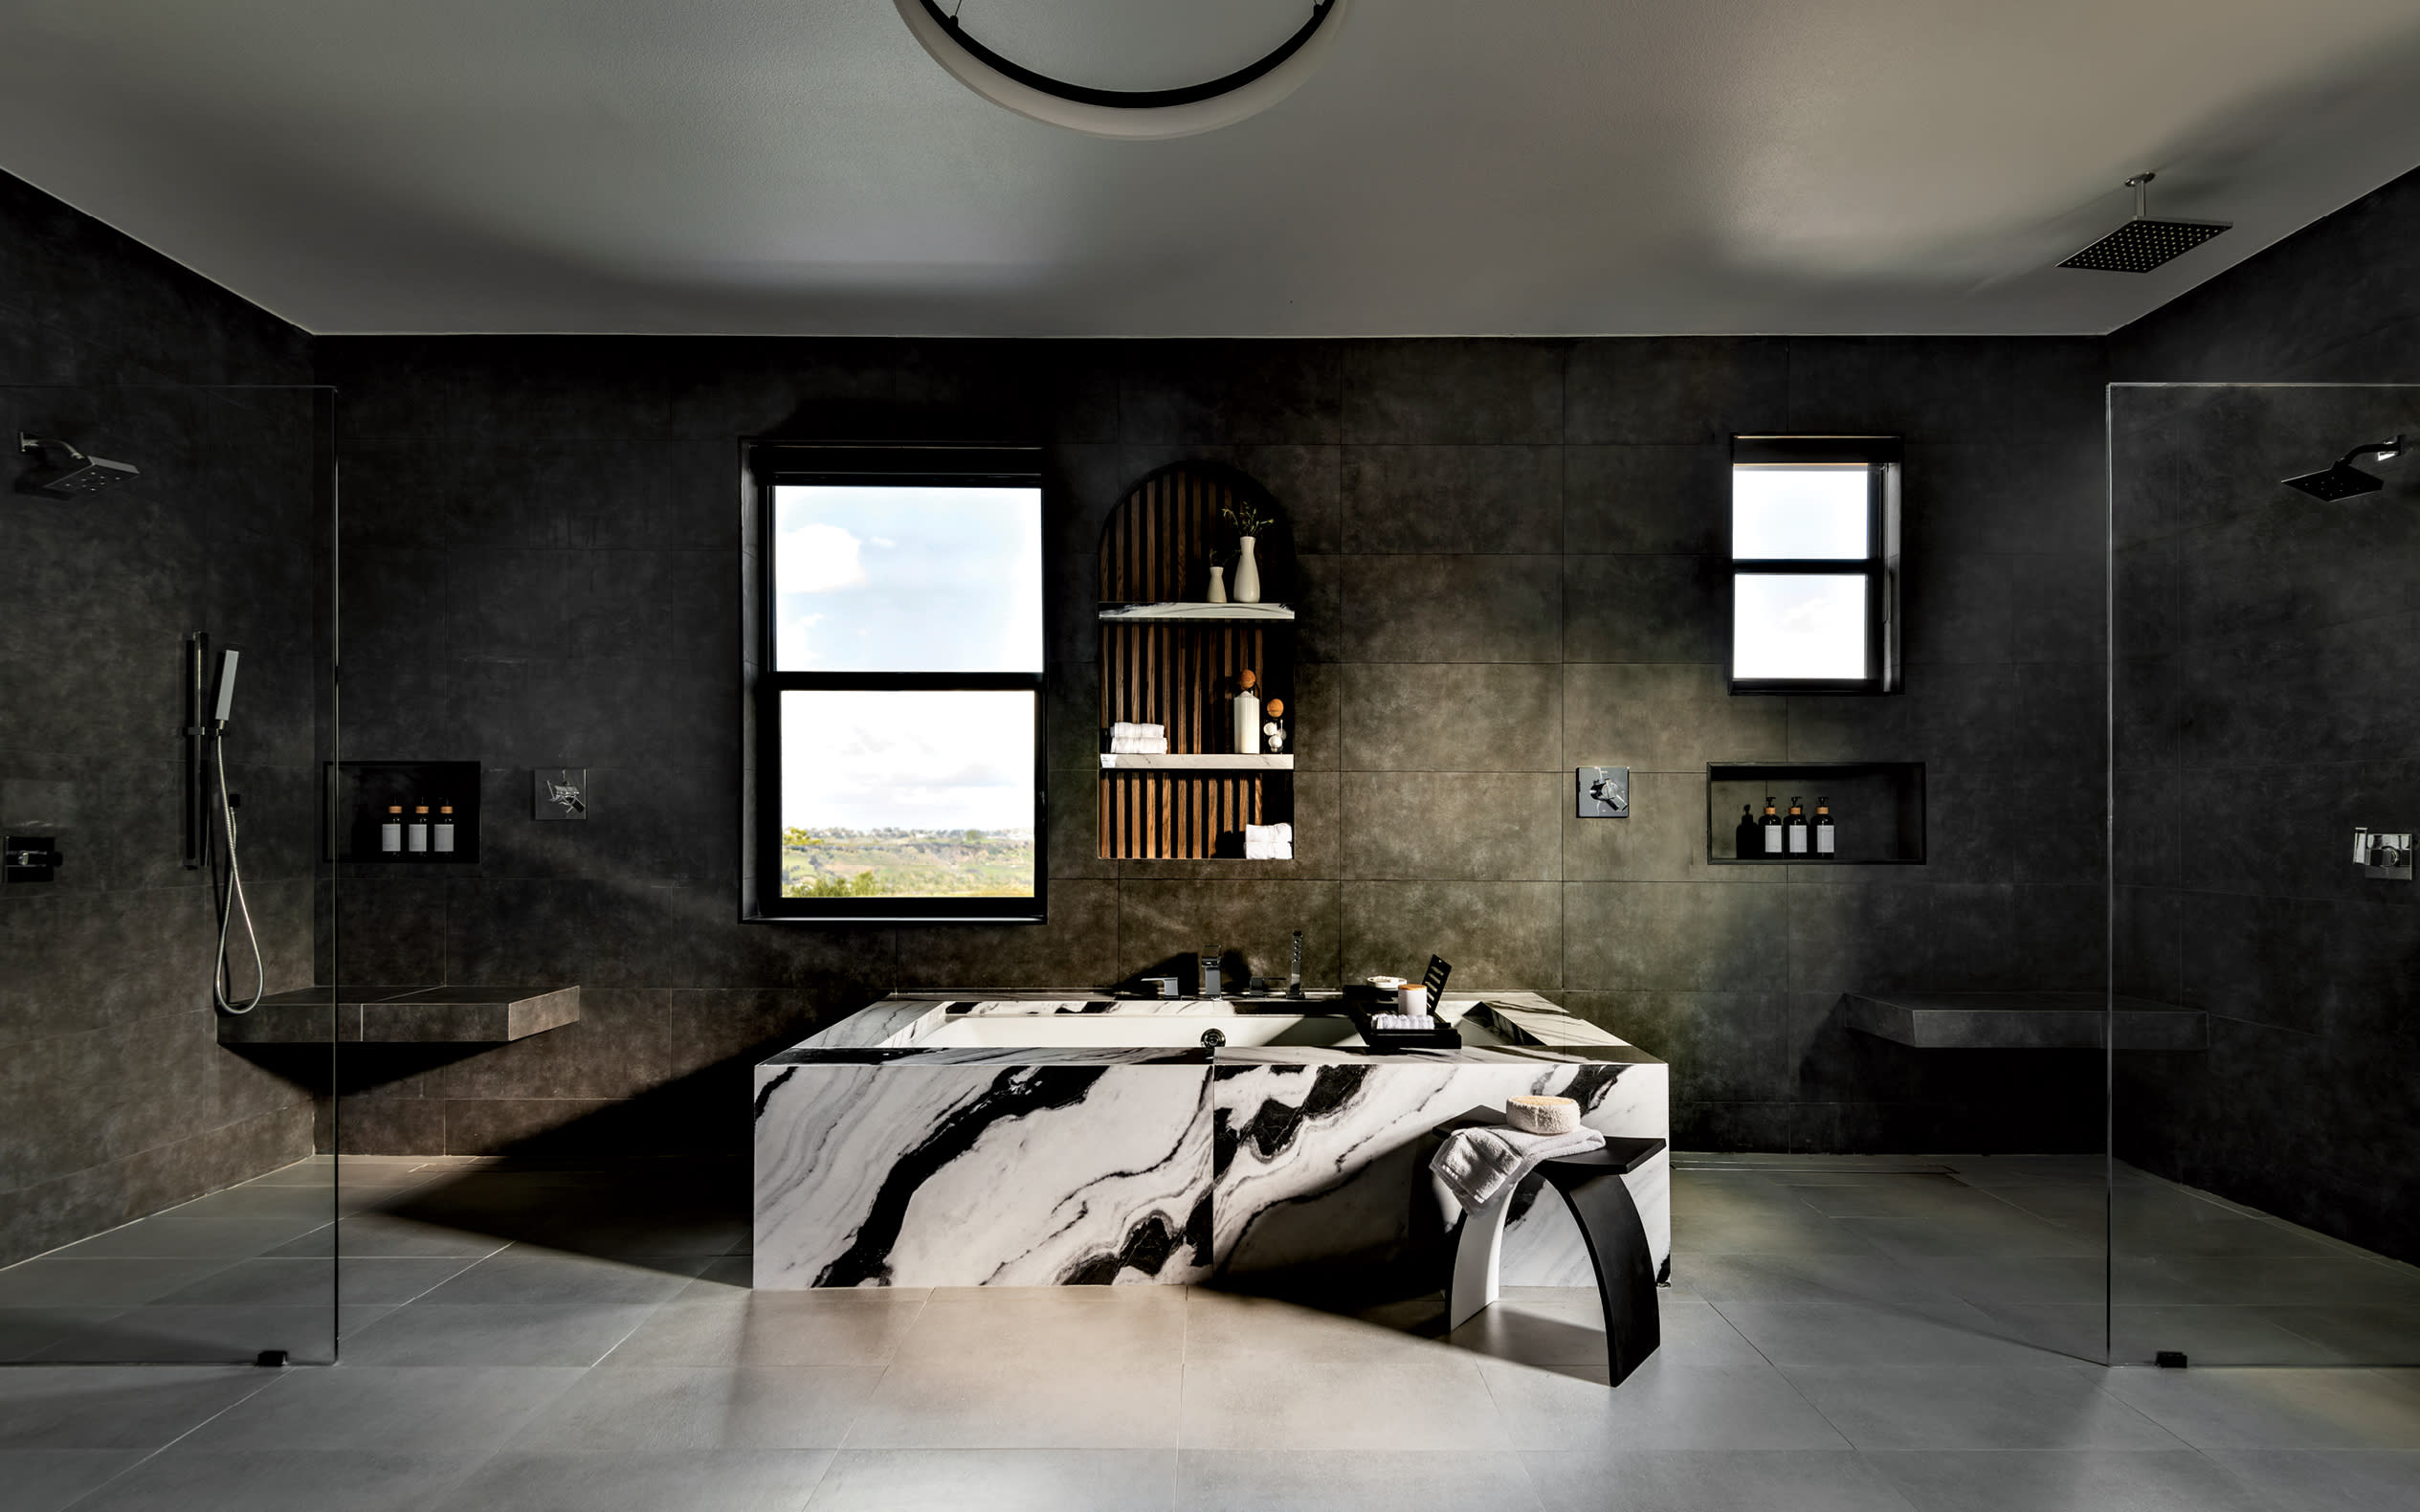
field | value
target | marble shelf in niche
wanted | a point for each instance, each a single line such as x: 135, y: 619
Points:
x: 359, y: 794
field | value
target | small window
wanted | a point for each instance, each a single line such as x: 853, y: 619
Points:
x: 898, y: 685
x: 1814, y: 563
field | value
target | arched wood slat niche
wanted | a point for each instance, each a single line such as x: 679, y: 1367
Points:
x: 1169, y: 659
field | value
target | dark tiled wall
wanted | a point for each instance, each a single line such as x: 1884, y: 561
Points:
x: 2335, y: 303
x: 2268, y: 651
x: 113, y: 1096
x: 2264, y: 710
x: 1510, y: 562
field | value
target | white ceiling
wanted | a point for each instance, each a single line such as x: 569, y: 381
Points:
x: 1557, y: 167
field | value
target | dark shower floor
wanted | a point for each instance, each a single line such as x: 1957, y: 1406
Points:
x: 1841, y: 1333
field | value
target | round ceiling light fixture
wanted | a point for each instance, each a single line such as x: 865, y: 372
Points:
x: 1139, y: 113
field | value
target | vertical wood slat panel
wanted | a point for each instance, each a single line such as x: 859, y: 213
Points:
x: 1156, y: 549
x: 1159, y: 816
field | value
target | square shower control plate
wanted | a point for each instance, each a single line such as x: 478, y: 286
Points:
x: 1605, y: 792
x: 559, y: 792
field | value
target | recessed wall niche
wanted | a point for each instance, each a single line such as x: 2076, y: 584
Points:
x: 1172, y: 657
x: 360, y: 792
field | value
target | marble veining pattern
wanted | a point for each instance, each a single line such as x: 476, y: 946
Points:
x: 883, y: 1161
x: 979, y: 1175
x: 1323, y: 1164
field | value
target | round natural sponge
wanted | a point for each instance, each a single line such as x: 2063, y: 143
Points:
x: 1543, y: 1115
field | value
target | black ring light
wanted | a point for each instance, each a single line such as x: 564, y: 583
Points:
x: 1133, y: 98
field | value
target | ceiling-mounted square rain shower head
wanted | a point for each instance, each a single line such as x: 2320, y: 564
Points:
x: 66, y: 473
x: 2142, y: 244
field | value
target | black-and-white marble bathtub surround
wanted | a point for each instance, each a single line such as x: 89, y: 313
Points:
x: 948, y: 1168
x: 1323, y: 1164
x: 938, y: 1174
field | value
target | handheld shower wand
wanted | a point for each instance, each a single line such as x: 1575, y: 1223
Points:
x: 222, y: 981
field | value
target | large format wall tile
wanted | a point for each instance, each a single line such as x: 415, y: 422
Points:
x: 1452, y: 826
x: 1510, y: 557
x: 1476, y: 499
x: 121, y: 1101
x: 1496, y: 934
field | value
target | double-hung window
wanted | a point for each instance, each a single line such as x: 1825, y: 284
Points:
x: 1814, y: 563
x: 896, y: 684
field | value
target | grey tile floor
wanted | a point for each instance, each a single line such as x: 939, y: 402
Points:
x: 1840, y: 1335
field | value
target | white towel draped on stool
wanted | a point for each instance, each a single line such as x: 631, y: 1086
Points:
x: 1477, y: 1164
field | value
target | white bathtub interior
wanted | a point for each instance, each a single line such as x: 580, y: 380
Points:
x: 1179, y: 1031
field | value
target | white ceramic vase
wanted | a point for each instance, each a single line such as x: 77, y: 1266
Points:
x: 1218, y: 584
x: 1246, y: 574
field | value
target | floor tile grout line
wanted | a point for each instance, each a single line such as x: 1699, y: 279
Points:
x: 186, y: 1434
x: 876, y: 1390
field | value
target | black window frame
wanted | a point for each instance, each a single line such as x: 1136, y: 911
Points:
x: 1881, y: 457
x: 771, y: 465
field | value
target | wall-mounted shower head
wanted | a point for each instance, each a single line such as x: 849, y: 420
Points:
x: 2344, y: 480
x: 66, y: 473
x: 224, y: 704
x: 2142, y: 244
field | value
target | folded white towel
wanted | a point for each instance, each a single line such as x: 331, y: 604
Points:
x: 1138, y: 745
x: 1268, y: 832
x: 1476, y: 1165
x: 1267, y: 850
x: 1403, y: 1021
x: 1125, y: 727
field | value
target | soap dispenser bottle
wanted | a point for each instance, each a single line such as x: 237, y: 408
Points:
x: 1771, y: 825
x: 1795, y: 831
x: 1248, y: 715
x: 416, y: 832
x: 1827, y: 838
x: 441, y: 835
x: 391, y: 831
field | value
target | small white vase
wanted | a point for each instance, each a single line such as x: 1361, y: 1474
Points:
x: 1246, y: 574
x: 1218, y: 584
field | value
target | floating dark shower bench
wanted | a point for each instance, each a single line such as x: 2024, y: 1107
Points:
x: 2022, y: 1022
x: 402, y: 1016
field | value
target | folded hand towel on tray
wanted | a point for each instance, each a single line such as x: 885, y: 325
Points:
x: 1265, y: 832
x: 1138, y: 745
x: 1267, y: 850
x: 1477, y: 1165
x: 1126, y: 728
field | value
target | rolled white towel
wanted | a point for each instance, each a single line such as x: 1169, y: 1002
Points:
x: 1269, y: 833
x: 1267, y: 850
x: 1403, y: 1021
x: 1476, y: 1165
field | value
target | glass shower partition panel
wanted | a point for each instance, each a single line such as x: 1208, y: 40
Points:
x: 2265, y: 926
x: 163, y: 715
